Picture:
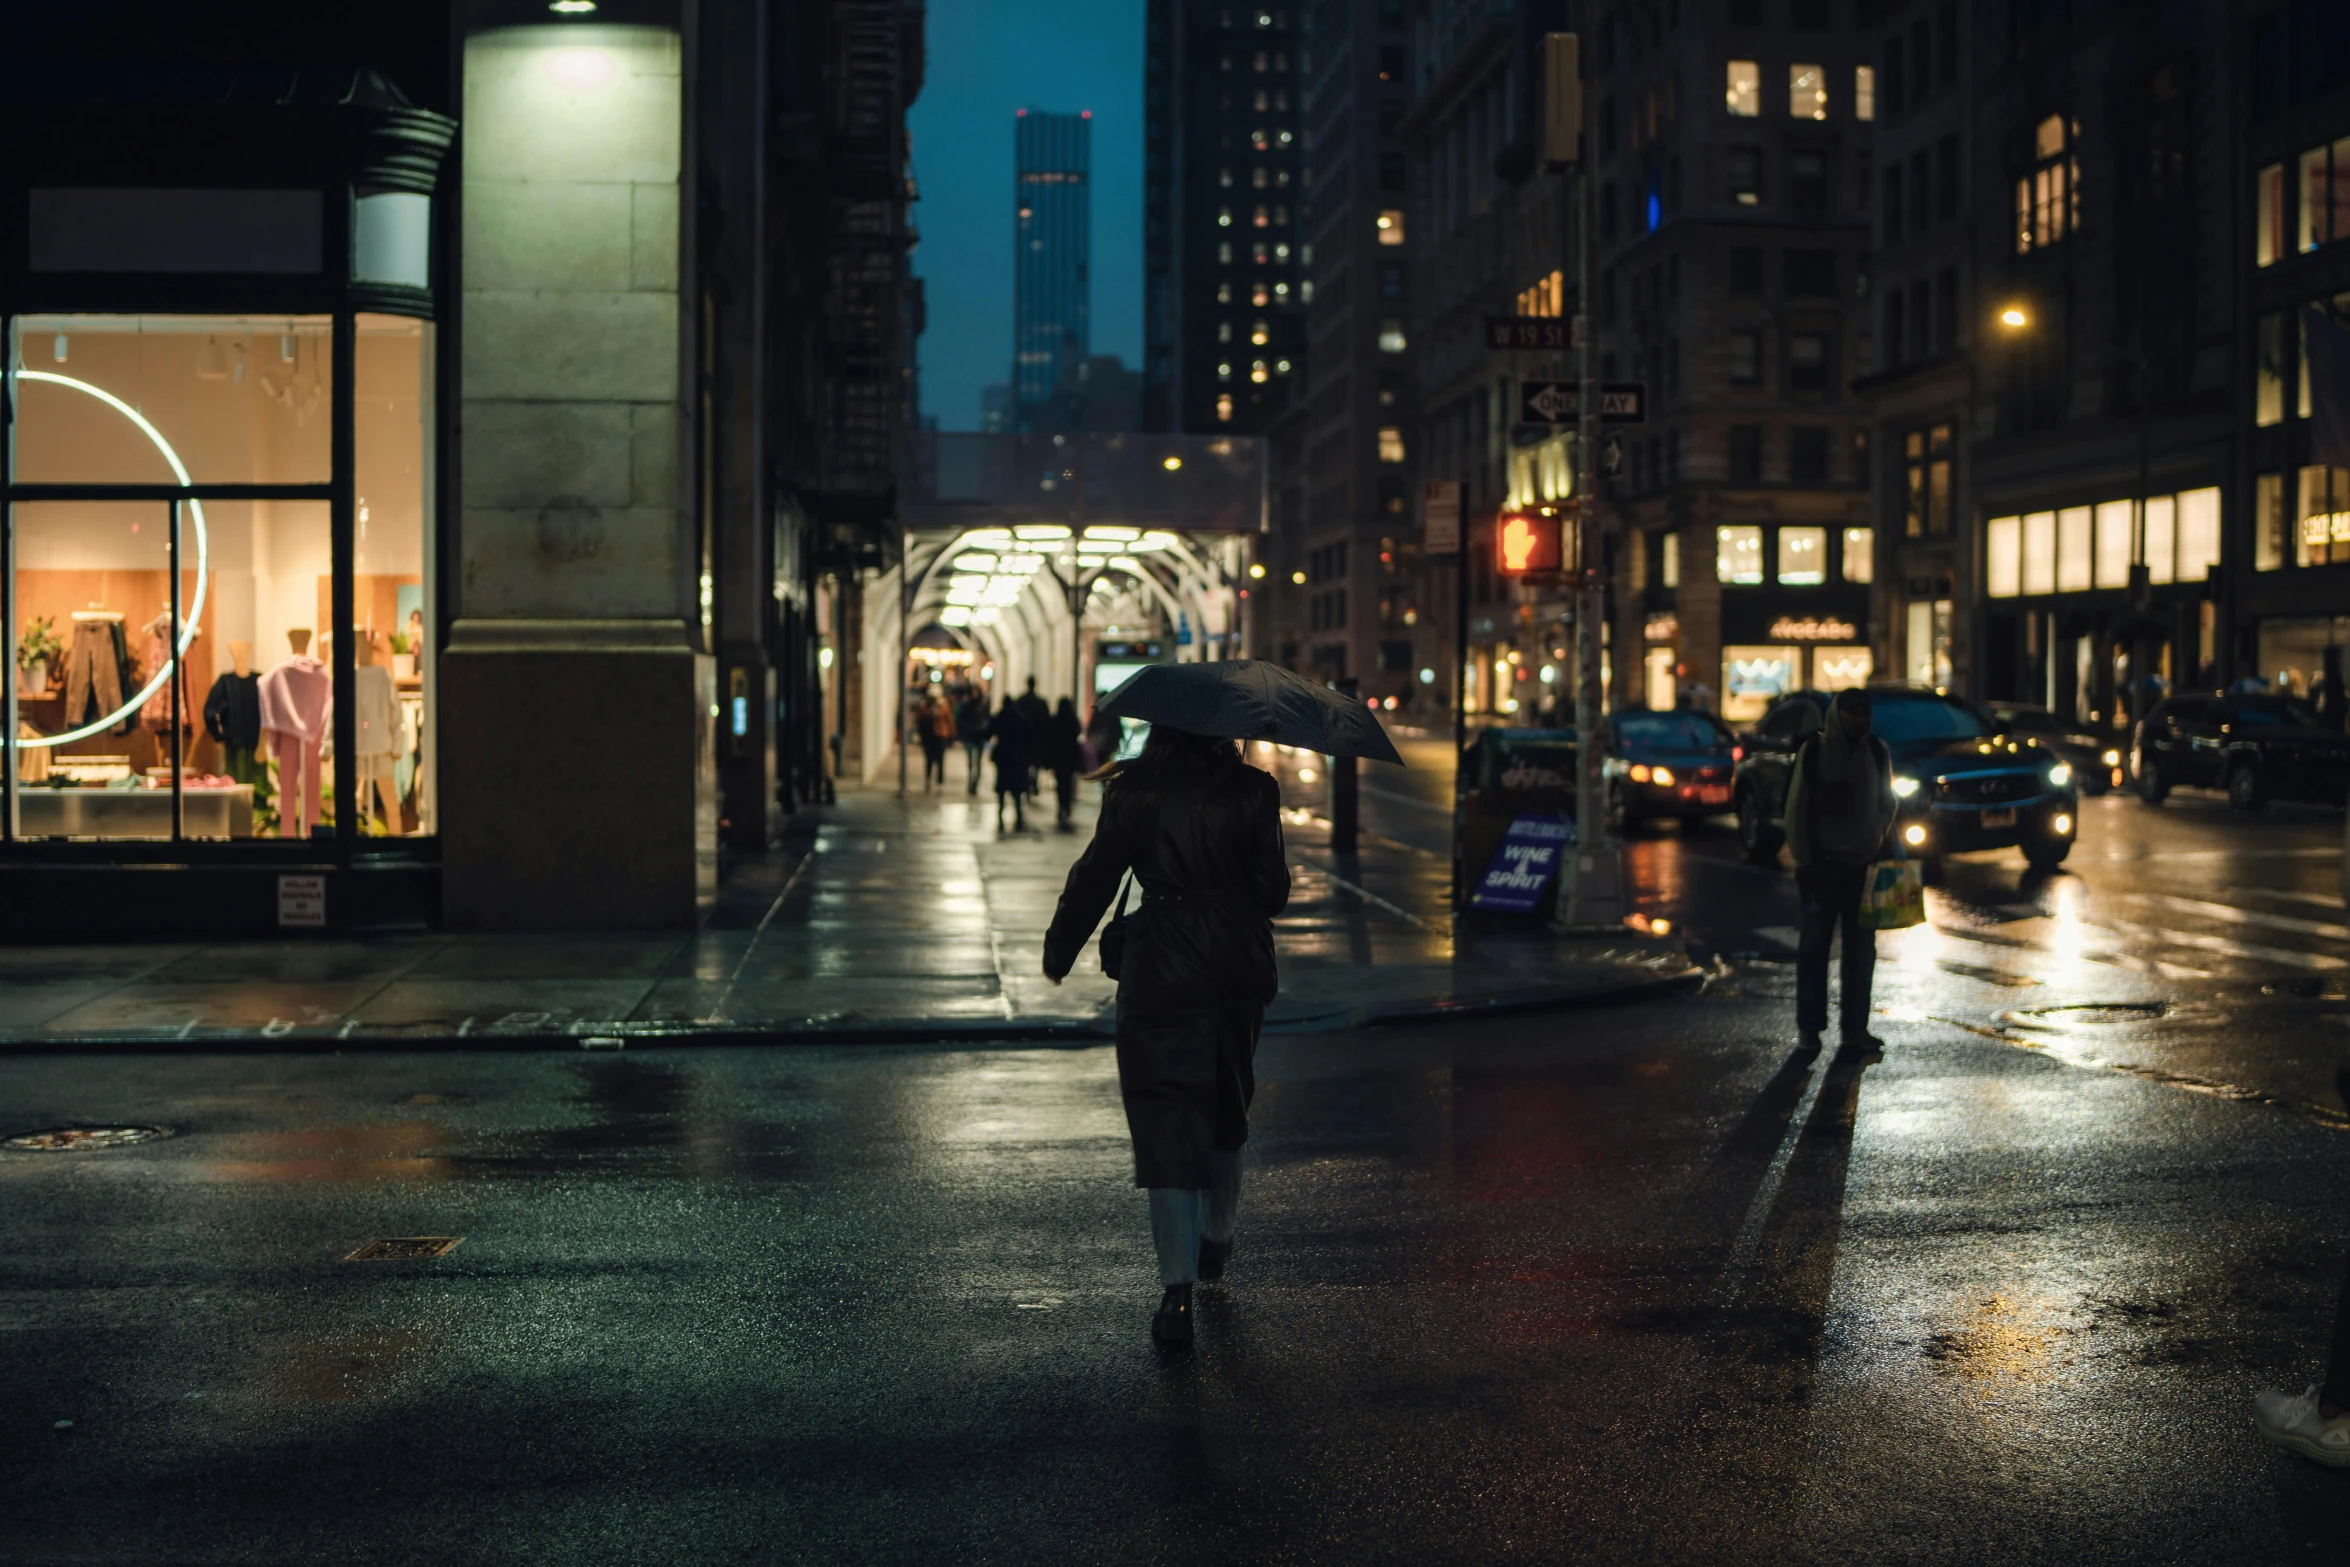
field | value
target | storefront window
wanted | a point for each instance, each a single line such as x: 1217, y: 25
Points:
x: 2268, y: 238
x: 2162, y: 539
x: 1927, y: 654
x: 219, y: 400
x: 393, y: 685
x: 1841, y: 668
x: 2269, y: 524
x: 1738, y: 555
x: 2114, y: 527
x: 1754, y: 677
x: 2072, y: 549
x: 2293, y: 652
x: 1860, y: 554
x: 2323, y: 534
x: 1803, y: 557
x: 2003, y: 558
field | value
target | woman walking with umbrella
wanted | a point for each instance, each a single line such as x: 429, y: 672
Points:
x: 1200, y: 830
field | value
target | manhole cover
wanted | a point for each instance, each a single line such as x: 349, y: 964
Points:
x: 67, y: 1139
x: 2091, y: 1013
x: 405, y: 1248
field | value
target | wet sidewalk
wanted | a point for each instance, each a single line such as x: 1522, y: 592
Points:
x: 880, y: 919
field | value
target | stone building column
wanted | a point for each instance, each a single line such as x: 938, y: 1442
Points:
x: 577, y: 770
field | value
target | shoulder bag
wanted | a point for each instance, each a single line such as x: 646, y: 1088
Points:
x: 1113, y: 942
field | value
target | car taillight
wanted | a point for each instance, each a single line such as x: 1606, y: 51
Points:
x: 1737, y: 753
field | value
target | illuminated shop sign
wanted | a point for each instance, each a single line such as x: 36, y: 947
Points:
x: 1788, y: 629
x: 1663, y: 628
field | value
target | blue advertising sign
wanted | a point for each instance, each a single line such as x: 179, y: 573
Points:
x: 1524, y: 866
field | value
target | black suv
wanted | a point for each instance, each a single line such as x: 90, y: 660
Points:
x: 1961, y: 784
x: 2257, y: 746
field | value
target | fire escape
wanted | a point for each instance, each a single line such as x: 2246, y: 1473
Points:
x: 864, y: 401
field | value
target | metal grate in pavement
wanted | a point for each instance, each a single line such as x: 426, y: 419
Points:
x: 405, y: 1248
x: 72, y: 1139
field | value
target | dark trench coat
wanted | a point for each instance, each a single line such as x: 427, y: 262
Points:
x: 1198, y: 970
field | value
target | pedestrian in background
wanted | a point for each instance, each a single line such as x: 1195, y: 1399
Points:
x: 1200, y: 830
x: 971, y: 721
x: 1063, y: 736
x: 1840, y: 812
x: 937, y: 726
x: 1104, y: 734
x: 1015, y: 750
x: 1039, y: 714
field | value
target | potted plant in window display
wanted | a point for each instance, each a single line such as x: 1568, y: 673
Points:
x: 37, y: 652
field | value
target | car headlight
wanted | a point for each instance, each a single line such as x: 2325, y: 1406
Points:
x: 1663, y: 775
x: 1903, y: 788
x: 2061, y: 774
x: 2113, y: 758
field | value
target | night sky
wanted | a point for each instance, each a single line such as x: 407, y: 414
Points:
x: 986, y: 59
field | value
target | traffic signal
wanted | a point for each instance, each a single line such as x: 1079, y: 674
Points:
x: 1525, y: 543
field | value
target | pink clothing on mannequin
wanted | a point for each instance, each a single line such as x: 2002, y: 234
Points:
x: 297, y: 781
x: 294, y: 697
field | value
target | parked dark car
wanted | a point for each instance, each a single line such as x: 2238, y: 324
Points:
x: 1668, y: 764
x: 1962, y: 785
x: 2256, y: 745
x: 2097, y: 760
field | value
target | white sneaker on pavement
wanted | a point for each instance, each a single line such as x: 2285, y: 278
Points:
x: 2291, y: 1420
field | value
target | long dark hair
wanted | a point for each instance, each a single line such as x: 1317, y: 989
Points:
x: 1167, y: 750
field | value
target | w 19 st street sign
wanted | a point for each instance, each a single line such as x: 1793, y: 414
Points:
x: 1561, y: 402
x: 1551, y: 333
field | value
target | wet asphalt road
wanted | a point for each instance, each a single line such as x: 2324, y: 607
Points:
x: 1624, y: 1285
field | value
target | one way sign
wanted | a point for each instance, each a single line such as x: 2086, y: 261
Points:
x: 1559, y: 402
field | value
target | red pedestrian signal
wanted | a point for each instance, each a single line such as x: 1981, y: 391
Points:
x: 1525, y: 543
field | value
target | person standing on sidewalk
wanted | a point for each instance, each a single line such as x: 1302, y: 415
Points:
x: 1015, y: 750
x: 1062, y: 737
x: 937, y: 726
x: 1039, y: 714
x: 1840, y: 811
x: 1200, y: 830
x: 971, y: 725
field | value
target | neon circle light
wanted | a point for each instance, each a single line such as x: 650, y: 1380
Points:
x: 203, y: 561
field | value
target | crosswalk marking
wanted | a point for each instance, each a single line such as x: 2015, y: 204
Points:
x: 2290, y: 957
x: 2228, y: 911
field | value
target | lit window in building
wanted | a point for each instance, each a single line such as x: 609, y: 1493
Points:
x: 1745, y: 89
x: 1223, y: 331
x: 1926, y: 463
x: 1807, y: 92
x: 1803, y: 557
x: 1224, y: 254
x: 1262, y: 101
x: 1864, y: 92
x: 2073, y: 549
x: 1258, y: 177
x: 1224, y: 407
x: 1224, y: 178
x: 2003, y: 557
x: 1262, y: 335
x: 1281, y: 367
x: 2048, y: 200
x: 1390, y: 443
x: 1262, y: 217
x: 2113, y: 529
x: 1224, y: 371
x: 1305, y: 291
x: 2268, y: 238
x: 1738, y: 554
x: 2268, y: 521
x: 1860, y: 554
x: 1391, y: 226
x: 1223, y: 217
x: 1671, y: 564
x: 1391, y: 339
x: 1284, y: 138
x: 1258, y: 372
x: 1259, y: 297
x: 1259, y: 63
x: 1281, y: 252
x: 1280, y: 291
x: 1223, y: 293
x: 1259, y: 254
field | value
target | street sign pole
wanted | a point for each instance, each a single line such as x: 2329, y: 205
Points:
x: 1596, y: 897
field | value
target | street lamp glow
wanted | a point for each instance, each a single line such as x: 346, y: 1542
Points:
x: 1257, y: 570
x: 1172, y: 463
x: 2013, y: 318
x: 1298, y: 577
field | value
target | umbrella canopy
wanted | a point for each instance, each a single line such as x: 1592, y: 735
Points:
x: 1250, y: 699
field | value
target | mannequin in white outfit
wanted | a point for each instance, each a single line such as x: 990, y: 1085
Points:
x: 381, y: 736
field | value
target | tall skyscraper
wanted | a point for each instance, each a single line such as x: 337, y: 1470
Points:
x: 1224, y: 253
x: 1053, y: 236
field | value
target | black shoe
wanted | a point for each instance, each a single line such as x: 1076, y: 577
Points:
x: 1861, y: 1046
x: 1212, y: 1257
x: 1172, y: 1325
x: 1807, y: 1042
